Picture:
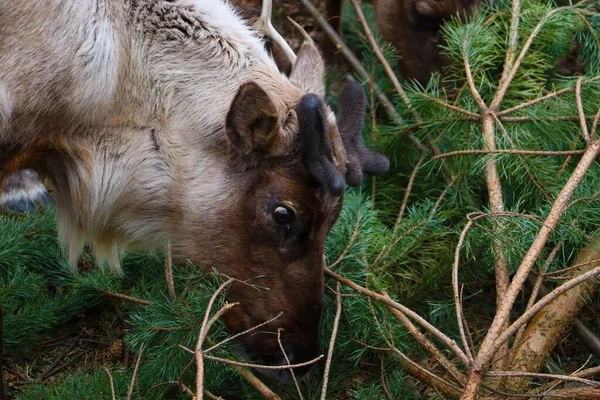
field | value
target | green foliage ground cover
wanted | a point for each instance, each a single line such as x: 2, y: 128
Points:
x: 411, y: 259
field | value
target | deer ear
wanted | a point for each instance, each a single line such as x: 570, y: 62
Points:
x: 252, y: 123
x: 308, y: 72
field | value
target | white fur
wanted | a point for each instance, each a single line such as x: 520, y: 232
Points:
x: 5, y: 110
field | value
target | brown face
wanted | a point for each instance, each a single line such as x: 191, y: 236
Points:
x: 290, y: 216
x: 275, y: 233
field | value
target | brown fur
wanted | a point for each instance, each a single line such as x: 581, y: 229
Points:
x: 413, y: 27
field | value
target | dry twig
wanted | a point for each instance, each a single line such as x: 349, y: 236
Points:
x: 405, y: 310
x: 169, y: 273
x: 579, y: 101
x: 428, y: 345
x: 408, y: 190
x: 539, y: 280
x: 257, y: 383
x: 386, y: 65
x: 355, y: 232
x: 358, y: 67
x: 509, y: 151
x: 287, y: 360
x: 230, y: 338
x: 135, y: 372
x: 125, y: 297
x: 545, y: 376
x: 112, y: 384
x: 199, y: 354
x: 336, y: 322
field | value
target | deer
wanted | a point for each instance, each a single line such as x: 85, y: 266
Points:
x: 167, y: 120
x: 414, y: 28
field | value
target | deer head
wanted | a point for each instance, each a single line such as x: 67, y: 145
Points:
x: 292, y: 199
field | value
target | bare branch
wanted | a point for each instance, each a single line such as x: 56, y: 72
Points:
x: 572, y: 267
x: 499, y: 97
x: 125, y: 297
x: 353, y: 61
x: 112, y: 384
x: 199, y: 354
x: 527, y: 315
x: 470, y: 80
x: 260, y: 366
x: 582, y: 393
x: 360, y: 70
x: 408, y: 190
x: 135, y: 372
x: 287, y: 360
x: 386, y: 66
x: 489, y: 345
x: 539, y: 280
x: 428, y: 345
x: 255, y: 327
x: 579, y: 101
x: 509, y: 151
x: 257, y: 383
x: 588, y: 372
x: 412, y: 367
x: 545, y: 376
x: 448, y: 389
x: 405, y: 310
x: 169, y: 273
x: 336, y: 322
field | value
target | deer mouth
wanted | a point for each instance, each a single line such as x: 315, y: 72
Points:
x: 282, y: 375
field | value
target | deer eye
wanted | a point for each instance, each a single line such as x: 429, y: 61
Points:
x: 283, y: 215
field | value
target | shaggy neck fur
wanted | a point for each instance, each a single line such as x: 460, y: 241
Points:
x: 130, y: 100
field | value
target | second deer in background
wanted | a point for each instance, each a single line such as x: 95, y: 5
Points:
x: 413, y: 27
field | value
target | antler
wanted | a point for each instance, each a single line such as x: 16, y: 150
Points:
x: 264, y: 27
x: 314, y: 137
x: 351, y: 115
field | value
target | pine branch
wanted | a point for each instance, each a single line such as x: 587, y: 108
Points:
x: 496, y: 336
x: 387, y: 301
